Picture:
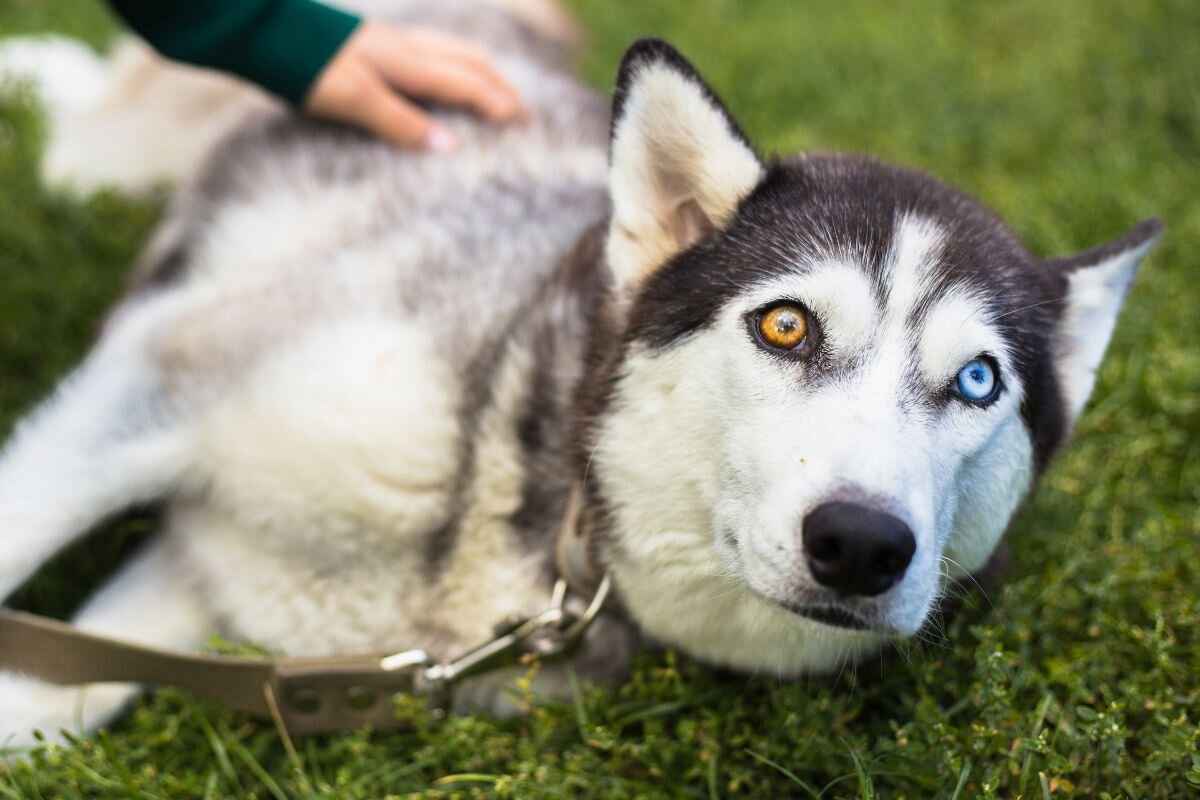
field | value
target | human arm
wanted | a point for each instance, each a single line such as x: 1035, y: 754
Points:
x: 331, y: 63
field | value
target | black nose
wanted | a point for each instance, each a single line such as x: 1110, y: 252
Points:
x: 855, y: 549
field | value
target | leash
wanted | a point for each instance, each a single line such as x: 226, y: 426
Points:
x: 320, y: 695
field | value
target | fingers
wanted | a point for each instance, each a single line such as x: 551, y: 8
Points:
x: 354, y: 92
x: 438, y: 66
x: 454, y: 81
x: 389, y: 115
x: 368, y: 81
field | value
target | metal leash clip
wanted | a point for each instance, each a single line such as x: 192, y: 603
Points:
x: 550, y: 633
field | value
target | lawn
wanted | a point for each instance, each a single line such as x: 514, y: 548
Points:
x: 1079, y: 677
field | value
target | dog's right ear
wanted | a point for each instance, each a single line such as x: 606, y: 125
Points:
x: 1096, y: 283
x: 680, y: 163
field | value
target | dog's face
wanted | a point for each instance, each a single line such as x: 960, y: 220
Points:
x: 838, y: 381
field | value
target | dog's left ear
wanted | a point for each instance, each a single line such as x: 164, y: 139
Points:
x: 1097, y: 281
x: 680, y: 163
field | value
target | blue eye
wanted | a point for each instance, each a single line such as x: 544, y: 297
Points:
x: 977, y: 381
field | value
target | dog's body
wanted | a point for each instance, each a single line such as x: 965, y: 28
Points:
x: 367, y: 379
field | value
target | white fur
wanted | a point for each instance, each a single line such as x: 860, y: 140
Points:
x: 353, y: 450
x: 915, y: 245
x: 65, y: 73
x: 132, y: 121
x: 359, y: 462
x: 956, y: 330
x: 989, y: 487
x: 838, y: 292
x: 671, y: 146
x: 1094, y: 297
x: 50, y: 491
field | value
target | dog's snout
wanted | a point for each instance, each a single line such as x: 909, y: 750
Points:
x: 856, y: 550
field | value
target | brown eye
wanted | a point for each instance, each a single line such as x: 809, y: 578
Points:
x: 783, y: 326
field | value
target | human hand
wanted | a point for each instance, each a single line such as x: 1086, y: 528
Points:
x: 380, y: 66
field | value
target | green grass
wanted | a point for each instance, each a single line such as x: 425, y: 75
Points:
x: 1074, y: 120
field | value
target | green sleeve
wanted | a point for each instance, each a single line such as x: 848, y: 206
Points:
x: 282, y: 45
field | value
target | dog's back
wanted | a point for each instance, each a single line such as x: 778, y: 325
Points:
x: 328, y: 218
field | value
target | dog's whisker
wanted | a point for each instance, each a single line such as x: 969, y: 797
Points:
x: 975, y: 581
x: 1026, y: 308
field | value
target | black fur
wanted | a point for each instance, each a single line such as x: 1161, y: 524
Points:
x: 167, y: 270
x: 552, y: 328
x: 543, y: 429
x: 476, y: 398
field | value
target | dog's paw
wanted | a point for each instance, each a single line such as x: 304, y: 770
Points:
x: 28, y: 705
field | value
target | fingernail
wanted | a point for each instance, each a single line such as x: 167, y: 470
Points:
x: 441, y: 140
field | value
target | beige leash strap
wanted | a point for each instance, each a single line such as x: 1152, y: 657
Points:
x: 308, y: 695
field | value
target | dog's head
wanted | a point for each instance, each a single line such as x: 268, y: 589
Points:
x: 837, y: 381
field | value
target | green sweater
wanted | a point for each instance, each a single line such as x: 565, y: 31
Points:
x: 282, y: 45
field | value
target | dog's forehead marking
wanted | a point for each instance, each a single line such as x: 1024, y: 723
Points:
x: 910, y: 262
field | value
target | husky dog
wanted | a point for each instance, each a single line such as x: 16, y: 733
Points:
x: 800, y: 394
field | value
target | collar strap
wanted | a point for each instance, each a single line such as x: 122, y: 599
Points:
x: 573, y: 552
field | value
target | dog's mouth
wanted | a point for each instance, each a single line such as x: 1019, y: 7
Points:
x: 827, y: 611
x: 833, y: 616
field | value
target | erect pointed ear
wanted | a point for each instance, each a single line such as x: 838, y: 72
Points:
x: 1097, y: 281
x: 680, y: 163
